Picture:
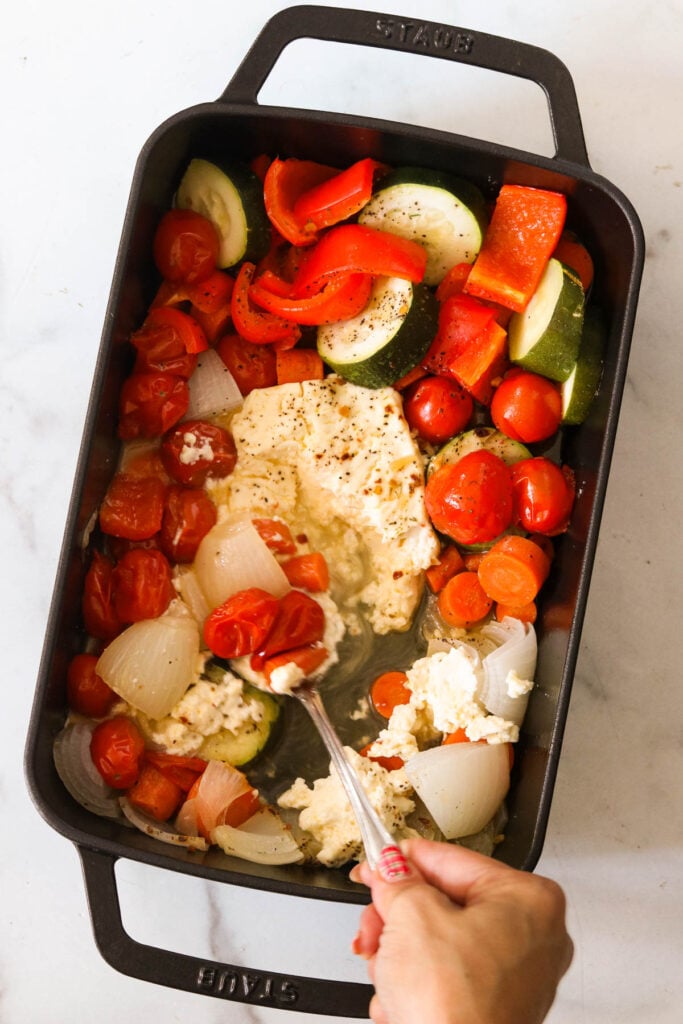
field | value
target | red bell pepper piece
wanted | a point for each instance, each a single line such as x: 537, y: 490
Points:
x: 525, y: 227
x: 284, y: 182
x: 256, y: 325
x: 339, y: 197
x: 454, y: 281
x: 470, y: 346
x: 341, y: 297
x: 356, y: 248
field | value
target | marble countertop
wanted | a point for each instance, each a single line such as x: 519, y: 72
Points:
x: 83, y: 86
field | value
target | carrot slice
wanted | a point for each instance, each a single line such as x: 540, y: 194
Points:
x: 388, y: 691
x: 575, y: 255
x: 298, y: 364
x: 463, y: 601
x: 513, y: 571
x: 523, y: 612
x: 459, y: 736
x: 309, y: 571
x: 525, y: 227
x: 155, y: 794
x: 390, y: 763
x: 450, y: 562
x: 307, y: 658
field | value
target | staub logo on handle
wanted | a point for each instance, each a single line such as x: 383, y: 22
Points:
x: 246, y: 986
x: 425, y: 35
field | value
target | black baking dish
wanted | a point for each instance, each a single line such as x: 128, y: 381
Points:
x: 236, y: 123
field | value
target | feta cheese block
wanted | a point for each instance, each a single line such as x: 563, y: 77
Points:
x: 338, y: 463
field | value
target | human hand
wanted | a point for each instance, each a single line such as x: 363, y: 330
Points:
x: 461, y: 939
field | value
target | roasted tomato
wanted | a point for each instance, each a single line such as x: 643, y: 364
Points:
x: 195, y: 450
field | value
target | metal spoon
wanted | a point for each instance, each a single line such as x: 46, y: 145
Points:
x: 373, y: 832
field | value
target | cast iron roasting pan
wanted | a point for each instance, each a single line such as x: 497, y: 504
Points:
x: 237, y: 124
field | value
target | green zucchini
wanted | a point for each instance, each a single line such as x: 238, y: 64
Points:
x: 444, y: 214
x: 545, y: 337
x: 387, y: 339
x: 579, y: 389
x: 239, y: 748
x: 231, y: 197
x: 474, y: 440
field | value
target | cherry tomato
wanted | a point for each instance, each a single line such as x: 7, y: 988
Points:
x: 471, y: 499
x: 543, y: 495
x: 241, y: 624
x: 526, y: 407
x: 252, y: 366
x: 437, y: 408
x: 100, y: 617
x: 188, y: 516
x: 300, y: 621
x: 150, y: 404
x: 87, y: 693
x: 142, y: 585
x: 116, y: 748
x: 186, y: 246
x: 133, y: 507
x: 168, y: 342
x: 195, y: 450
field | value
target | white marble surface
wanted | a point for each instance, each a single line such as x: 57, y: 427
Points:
x: 82, y: 86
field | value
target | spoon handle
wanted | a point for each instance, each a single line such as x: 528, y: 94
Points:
x: 373, y: 832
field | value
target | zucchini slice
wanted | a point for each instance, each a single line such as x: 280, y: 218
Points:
x: 239, y: 748
x: 386, y: 339
x: 578, y: 391
x: 231, y: 197
x: 474, y: 440
x: 545, y: 337
x: 444, y: 214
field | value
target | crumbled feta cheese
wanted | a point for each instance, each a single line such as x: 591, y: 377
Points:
x: 326, y: 812
x: 206, y: 708
x: 516, y: 686
x: 194, y: 450
x: 443, y: 699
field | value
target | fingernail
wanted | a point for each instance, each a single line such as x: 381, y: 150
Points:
x: 392, y: 865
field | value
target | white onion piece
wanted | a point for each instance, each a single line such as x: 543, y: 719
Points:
x: 516, y: 652
x: 213, y: 389
x: 81, y: 778
x: 461, y: 784
x: 191, y: 593
x: 157, y: 830
x: 133, y: 450
x: 151, y: 664
x: 233, y: 557
x: 263, y: 839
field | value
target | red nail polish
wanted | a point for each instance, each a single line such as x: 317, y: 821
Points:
x: 392, y: 865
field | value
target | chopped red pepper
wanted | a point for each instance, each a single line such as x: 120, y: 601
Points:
x: 340, y: 298
x: 339, y: 197
x: 470, y: 346
x: 356, y: 248
x: 284, y: 182
x: 525, y: 227
x: 454, y: 281
x: 256, y: 325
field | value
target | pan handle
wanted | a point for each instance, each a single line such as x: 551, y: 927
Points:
x: 414, y: 35
x: 205, y: 977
